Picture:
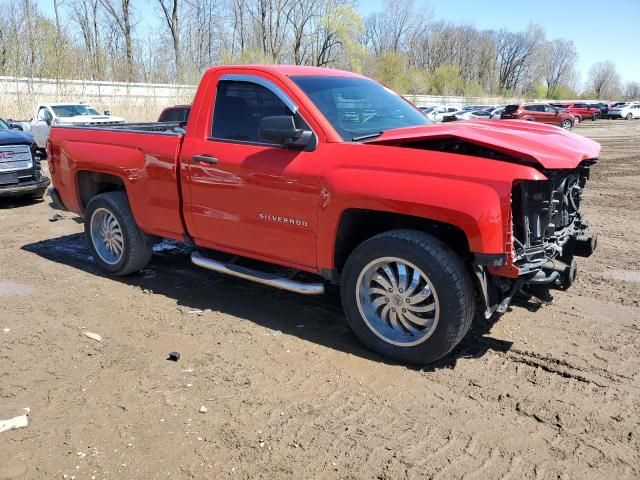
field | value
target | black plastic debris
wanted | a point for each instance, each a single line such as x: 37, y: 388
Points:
x: 174, y: 356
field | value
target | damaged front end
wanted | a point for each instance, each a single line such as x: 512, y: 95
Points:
x: 548, y: 232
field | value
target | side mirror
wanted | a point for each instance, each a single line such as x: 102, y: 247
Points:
x: 107, y: 113
x: 15, y: 126
x: 48, y: 121
x: 281, y: 130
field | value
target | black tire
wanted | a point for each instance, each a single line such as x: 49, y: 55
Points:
x: 629, y: 116
x: 566, y: 124
x: 595, y: 117
x: 454, y: 293
x: 137, y: 246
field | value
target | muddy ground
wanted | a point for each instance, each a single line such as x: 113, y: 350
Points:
x: 543, y: 391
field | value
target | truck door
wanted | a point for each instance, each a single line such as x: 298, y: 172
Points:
x: 246, y: 195
x: 41, y: 125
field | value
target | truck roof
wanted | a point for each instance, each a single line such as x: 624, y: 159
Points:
x: 293, y: 70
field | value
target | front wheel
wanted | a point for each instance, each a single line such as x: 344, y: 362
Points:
x: 566, y: 124
x: 115, y: 240
x: 407, y: 296
x: 629, y: 116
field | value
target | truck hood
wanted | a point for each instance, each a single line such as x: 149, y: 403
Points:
x: 13, y: 137
x: 546, y: 145
x: 90, y: 119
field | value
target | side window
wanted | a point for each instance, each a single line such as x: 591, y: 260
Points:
x: 240, y: 106
x: 530, y: 108
x: 44, y: 114
x: 549, y: 109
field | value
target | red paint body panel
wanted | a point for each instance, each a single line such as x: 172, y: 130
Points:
x: 549, y: 146
x: 285, y: 206
x: 146, y: 164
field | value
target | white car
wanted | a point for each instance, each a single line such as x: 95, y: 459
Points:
x: 65, y: 114
x: 628, y: 111
x: 437, y: 113
x: 472, y: 115
x: 496, y: 112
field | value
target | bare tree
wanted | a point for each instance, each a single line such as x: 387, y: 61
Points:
x: 85, y: 13
x: 632, y: 91
x: 387, y: 30
x: 170, y: 10
x: 558, y: 66
x: 604, y: 79
x: 120, y: 12
x: 515, y: 51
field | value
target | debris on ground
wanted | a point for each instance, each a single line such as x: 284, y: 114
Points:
x: 56, y: 217
x: 93, y: 336
x: 20, y: 421
x: 203, y: 409
x: 174, y: 356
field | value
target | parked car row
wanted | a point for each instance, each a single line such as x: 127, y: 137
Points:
x: 565, y: 114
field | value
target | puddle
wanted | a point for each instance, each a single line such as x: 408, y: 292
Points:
x: 11, y: 289
x: 622, y: 275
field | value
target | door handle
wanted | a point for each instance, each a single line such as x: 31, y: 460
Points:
x: 205, y: 159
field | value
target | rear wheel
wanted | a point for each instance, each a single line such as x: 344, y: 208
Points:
x: 629, y: 116
x: 115, y: 240
x: 567, y: 124
x: 407, y: 296
x: 595, y: 116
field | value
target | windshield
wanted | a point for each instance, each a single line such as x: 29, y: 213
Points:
x: 73, y: 110
x: 3, y: 125
x: 359, y: 107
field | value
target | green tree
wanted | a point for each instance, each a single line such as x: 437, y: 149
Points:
x: 446, y: 80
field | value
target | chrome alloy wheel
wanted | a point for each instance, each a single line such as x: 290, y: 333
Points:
x: 397, y: 301
x: 106, y: 236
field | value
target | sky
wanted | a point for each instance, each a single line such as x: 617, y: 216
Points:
x: 601, y: 29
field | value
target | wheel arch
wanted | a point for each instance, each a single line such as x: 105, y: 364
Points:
x: 90, y: 183
x: 358, y: 225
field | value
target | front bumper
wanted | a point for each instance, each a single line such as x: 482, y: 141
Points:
x: 29, y: 187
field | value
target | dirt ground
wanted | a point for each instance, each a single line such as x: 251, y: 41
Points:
x: 543, y: 391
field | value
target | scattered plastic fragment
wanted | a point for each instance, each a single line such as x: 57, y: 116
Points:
x: 93, y: 336
x: 174, y: 356
x: 203, y: 409
x: 20, y: 421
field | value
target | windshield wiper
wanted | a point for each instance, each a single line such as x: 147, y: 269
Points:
x: 367, y: 136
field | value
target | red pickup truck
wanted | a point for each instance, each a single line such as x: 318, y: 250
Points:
x: 297, y: 177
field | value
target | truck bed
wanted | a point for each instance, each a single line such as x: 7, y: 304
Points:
x: 163, y: 128
x: 142, y: 156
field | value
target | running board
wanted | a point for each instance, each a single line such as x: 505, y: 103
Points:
x: 257, y: 276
